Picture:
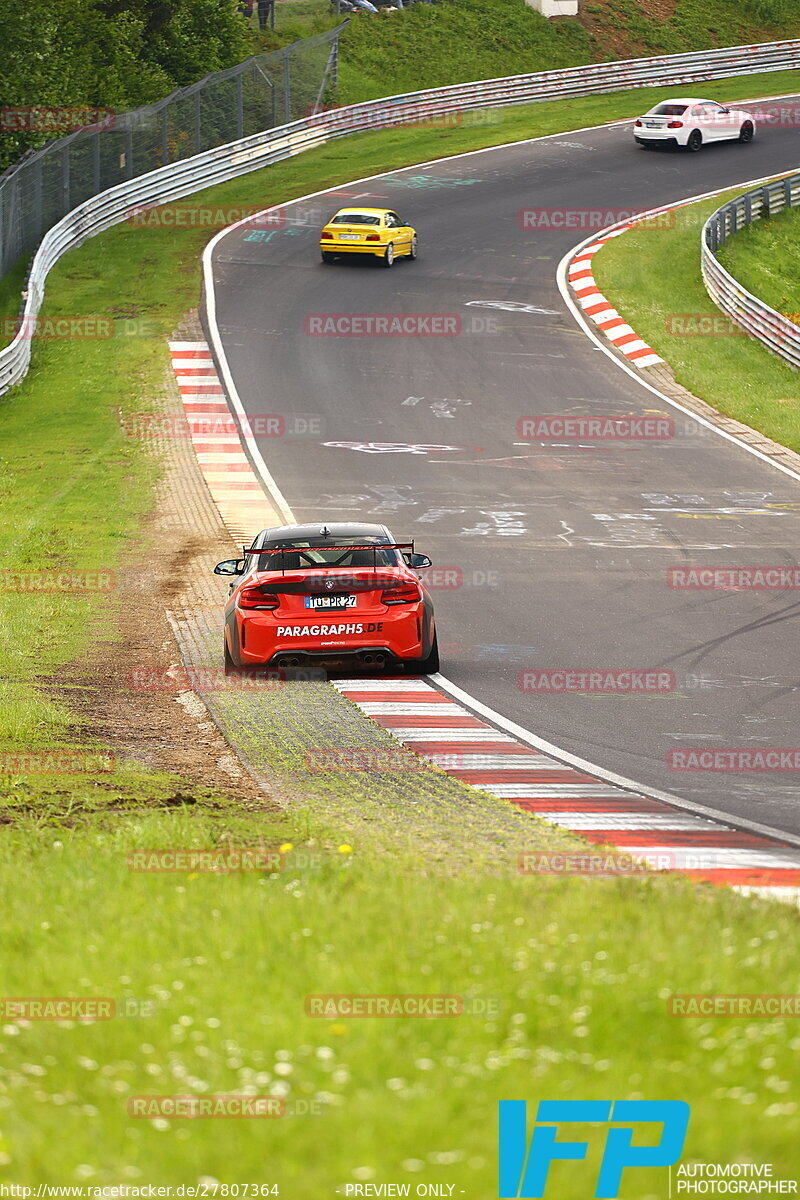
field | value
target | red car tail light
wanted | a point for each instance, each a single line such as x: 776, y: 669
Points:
x: 637, y: 121
x: 254, y: 597
x: 401, y: 592
x: 675, y: 125
x: 326, y: 236
x: 373, y: 237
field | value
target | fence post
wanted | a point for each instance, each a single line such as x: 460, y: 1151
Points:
x: 239, y: 106
x: 38, y: 216
x: 65, y: 180
x: 335, y: 63
x: 165, y: 136
x: 287, y: 84
x: 197, y: 126
x: 766, y: 212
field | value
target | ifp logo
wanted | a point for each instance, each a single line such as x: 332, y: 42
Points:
x: 524, y: 1168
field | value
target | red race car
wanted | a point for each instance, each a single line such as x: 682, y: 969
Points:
x: 336, y: 594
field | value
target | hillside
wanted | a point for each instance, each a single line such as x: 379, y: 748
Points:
x: 454, y: 41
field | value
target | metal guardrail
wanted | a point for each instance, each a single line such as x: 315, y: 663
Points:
x: 774, y: 330
x: 226, y: 162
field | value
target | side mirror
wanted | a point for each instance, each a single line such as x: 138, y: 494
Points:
x: 231, y: 566
x: 417, y: 561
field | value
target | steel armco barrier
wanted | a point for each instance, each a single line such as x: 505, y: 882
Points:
x: 248, y: 154
x: 775, y: 330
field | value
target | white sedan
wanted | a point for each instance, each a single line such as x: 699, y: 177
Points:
x: 692, y: 123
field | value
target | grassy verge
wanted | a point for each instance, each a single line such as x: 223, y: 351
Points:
x: 212, y: 975
x: 211, y: 972
x: 652, y: 276
x: 454, y: 41
x: 764, y: 258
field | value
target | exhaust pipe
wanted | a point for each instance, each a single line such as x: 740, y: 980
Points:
x: 288, y: 660
x: 370, y: 659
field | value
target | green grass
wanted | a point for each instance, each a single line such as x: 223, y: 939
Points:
x: 652, y: 276
x: 455, y: 41
x: 582, y: 970
x: 764, y: 256
x: 580, y: 973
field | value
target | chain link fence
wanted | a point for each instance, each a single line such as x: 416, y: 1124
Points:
x: 265, y: 91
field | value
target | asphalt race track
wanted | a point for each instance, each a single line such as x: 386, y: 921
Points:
x: 563, y: 549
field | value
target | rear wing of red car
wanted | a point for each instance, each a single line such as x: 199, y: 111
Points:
x: 374, y: 547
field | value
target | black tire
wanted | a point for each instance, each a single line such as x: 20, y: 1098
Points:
x: 695, y: 141
x: 230, y: 665
x: 747, y: 132
x: 327, y: 257
x: 388, y: 258
x: 429, y: 665
x: 412, y: 252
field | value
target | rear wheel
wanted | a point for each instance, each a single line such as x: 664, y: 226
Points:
x: 327, y: 256
x: 694, y: 141
x: 746, y: 132
x: 230, y: 665
x: 388, y: 258
x: 429, y: 665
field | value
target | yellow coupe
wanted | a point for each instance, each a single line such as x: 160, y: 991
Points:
x: 376, y: 231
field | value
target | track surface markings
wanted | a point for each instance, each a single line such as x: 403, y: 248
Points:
x: 451, y: 737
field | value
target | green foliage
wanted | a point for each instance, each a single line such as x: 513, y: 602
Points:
x: 110, y: 53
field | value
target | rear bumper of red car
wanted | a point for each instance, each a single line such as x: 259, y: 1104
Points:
x: 398, y: 636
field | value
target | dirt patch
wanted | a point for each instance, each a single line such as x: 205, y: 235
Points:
x: 607, y: 23
x: 132, y: 694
